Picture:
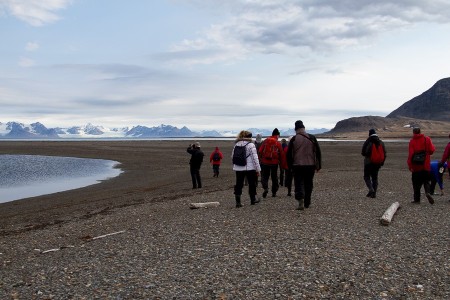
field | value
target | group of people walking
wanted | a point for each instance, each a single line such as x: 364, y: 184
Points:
x: 423, y: 172
x: 299, y: 158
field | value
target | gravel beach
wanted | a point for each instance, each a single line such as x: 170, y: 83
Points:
x: 134, y: 236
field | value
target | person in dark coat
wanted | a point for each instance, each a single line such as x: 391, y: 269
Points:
x: 304, y: 159
x: 371, y: 169
x: 195, y: 164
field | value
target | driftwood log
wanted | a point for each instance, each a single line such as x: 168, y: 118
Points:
x: 203, y: 205
x: 389, y: 213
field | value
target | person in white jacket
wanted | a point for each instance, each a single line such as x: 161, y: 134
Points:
x: 246, y: 166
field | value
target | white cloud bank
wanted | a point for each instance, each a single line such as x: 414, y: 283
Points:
x: 35, y: 12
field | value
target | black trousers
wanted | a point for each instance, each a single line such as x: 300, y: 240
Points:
x: 216, y: 169
x: 288, y: 180
x: 196, y: 179
x: 420, y: 178
x: 371, y: 176
x: 303, y: 182
x: 251, y: 178
x: 269, y: 171
x: 282, y: 172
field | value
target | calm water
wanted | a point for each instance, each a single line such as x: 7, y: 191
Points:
x: 23, y: 176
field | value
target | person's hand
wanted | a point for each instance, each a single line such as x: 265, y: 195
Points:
x: 257, y: 174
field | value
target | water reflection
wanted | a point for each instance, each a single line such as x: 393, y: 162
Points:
x: 23, y: 176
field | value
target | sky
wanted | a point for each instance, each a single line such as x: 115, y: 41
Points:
x: 224, y: 65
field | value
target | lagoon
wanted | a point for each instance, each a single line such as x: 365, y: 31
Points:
x: 23, y: 176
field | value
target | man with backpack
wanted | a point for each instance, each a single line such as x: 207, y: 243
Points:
x: 195, y: 164
x: 374, y: 153
x: 215, y: 159
x: 304, y: 160
x: 271, y: 156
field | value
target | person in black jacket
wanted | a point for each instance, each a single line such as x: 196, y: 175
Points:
x: 371, y: 168
x: 195, y: 164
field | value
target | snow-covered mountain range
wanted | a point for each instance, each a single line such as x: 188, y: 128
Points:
x: 16, y: 130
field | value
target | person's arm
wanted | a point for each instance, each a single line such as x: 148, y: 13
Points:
x: 364, y: 147
x: 318, y: 155
x: 446, y: 154
x: 410, y: 154
x: 430, y: 146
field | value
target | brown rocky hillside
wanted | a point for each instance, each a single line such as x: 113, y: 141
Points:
x: 430, y: 111
x: 358, y: 127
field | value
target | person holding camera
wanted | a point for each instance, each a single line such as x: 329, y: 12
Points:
x: 195, y: 164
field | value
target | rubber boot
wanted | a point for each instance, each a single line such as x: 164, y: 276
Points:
x: 301, y: 204
x: 238, y: 201
x: 253, y: 200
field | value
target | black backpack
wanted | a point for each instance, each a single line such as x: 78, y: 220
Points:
x: 216, y: 156
x: 240, y: 155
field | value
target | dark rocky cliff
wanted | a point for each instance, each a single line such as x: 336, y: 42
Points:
x: 433, y: 104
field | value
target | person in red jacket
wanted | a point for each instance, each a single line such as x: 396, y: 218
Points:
x: 420, y: 169
x: 271, y: 156
x: 215, y: 159
x: 446, y: 156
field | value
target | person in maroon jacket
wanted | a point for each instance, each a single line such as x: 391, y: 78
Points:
x: 271, y: 155
x: 420, y: 169
x: 215, y: 159
x: 446, y: 156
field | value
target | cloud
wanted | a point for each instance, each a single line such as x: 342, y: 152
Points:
x: 35, y: 12
x: 31, y: 46
x: 301, y: 28
x: 26, y: 62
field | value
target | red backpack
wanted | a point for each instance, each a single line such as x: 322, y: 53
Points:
x: 377, y: 154
x: 269, y: 149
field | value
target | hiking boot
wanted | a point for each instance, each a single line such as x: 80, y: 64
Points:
x: 301, y: 204
x: 265, y: 193
x: 238, y: 201
x: 430, y: 199
x: 274, y: 194
x: 253, y: 200
x: 374, y: 195
x: 415, y: 202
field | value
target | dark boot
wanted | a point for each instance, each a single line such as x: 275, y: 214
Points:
x: 238, y: 201
x: 253, y: 200
x: 301, y: 204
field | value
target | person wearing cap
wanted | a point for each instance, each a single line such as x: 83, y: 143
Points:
x: 195, y: 164
x: 250, y: 170
x: 371, y: 169
x: 304, y: 159
x: 420, y: 170
x: 271, y: 156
